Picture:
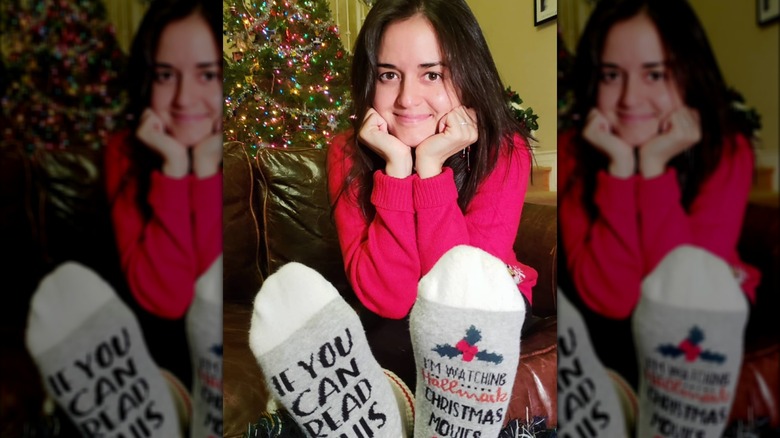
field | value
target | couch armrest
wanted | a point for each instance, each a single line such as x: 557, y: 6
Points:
x: 536, y: 246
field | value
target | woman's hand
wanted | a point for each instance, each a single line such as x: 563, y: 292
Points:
x: 151, y: 131
x: 397, y: 156
x: 598, y: 133
x: 207, y: 155
x: 457, y: 130
x: 679, y: 131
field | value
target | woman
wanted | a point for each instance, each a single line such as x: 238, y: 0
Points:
x: 164, y: 173
x: 164, y: 180
x: 427, y: 190
x: 435, y: 158
x: 657, y: 173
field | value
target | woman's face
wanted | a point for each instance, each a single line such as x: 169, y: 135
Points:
x: 636, y: 90
x: 187, y: 86
x: 413, y: 88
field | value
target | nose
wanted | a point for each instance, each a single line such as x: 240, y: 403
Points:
x: 408, y: 93
x: 632, y: 91
x: 185, y: 91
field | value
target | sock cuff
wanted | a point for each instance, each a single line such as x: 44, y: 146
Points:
x: 181, y: 398
x: 627, y: 398
x: 405, y: 399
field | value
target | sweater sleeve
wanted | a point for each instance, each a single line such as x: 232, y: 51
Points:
x: 157, y: 254
x: 206, y: 201
x: 491, y: 219
x: 715, y: 218
x: 380, y: 255
x: 603, y: 254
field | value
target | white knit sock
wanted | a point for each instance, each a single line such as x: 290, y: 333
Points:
x: 91, y: 354
x: 204, y: 333
x: 315, y: 357
x: 688, y: 326
x: 465, y: 330
x: 588, y: 405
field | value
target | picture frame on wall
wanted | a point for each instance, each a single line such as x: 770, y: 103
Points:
x: 767, y: 11
x: 544, y: 11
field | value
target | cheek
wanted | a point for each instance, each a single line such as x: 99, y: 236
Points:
x: 160, y: 99
x: 383, y: 98
x: 214, y: 98
x: 665, y: 103
x: 606, y: 99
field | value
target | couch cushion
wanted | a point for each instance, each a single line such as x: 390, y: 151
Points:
x: 296, y: 211
x: 242, y: 227
x: 536, y: 246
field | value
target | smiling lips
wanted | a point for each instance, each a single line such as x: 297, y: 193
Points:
x: 411, y: 119
x: 635, y: 118
x: 189, y: 118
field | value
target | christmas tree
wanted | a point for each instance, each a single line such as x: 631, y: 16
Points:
x: 286, y: 74
x: 63, y: 67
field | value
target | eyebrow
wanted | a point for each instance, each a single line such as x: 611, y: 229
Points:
x: 198, y: 65
x: 423, y: 65
x: 646, y: 65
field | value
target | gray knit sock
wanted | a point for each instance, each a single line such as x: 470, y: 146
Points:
x: 204, y: 333
x: 316, y: 360
x: 688, y: 327
x: 91, y: 354
x: 588, y: 405
x: 465, y: 330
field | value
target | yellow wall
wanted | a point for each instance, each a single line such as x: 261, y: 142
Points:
x: 525, y: 56
x: 748, y: 56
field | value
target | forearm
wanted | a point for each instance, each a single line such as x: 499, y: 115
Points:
x: 157, y: 254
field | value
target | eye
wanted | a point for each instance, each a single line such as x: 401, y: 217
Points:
x: 210, y: 75
x: 388, y: 76
x: 609, y: 76
x: 163, y: 76
x: 433, y: 76
x: 656, y: 75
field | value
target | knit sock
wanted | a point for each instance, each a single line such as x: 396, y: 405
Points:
x: 204, y: 334
x: 315, y: 357
x: 688, y: 327
x: 465, y: 330
x: 93, y: 360
x: 588, y: 404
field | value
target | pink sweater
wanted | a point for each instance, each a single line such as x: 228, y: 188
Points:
x: 418, y: 220
x: 164, y: 255
x: 642, y: 220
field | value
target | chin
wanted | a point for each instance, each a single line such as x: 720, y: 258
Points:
x: 412, y: 139
x: 191, y: 135
x: 638, y: 136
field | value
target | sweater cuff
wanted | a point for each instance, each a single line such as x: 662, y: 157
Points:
x: 392, y: 193
x: 435, y: 191
x: 169, y: 194
x: 613, y: 193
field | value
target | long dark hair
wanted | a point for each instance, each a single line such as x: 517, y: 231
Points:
x: 695, y: 71
x: 140, y: 76
x: 474, y: 76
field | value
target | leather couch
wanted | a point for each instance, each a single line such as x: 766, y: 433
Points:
x: 276, y: 210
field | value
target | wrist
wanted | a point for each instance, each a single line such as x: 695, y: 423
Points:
x: 399, y: 167
x: 427, y: 167
x: 651, y: 166
x: 623, y: 167
x: 176, y: 165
